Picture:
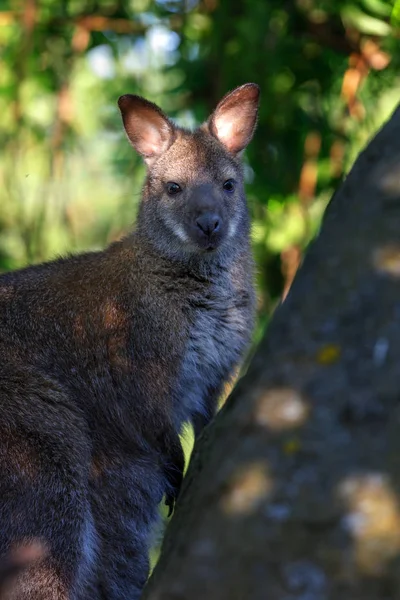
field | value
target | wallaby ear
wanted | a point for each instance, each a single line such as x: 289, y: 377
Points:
x: 234, y: 120
x: 148, y: 129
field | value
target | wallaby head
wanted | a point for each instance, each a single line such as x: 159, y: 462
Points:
x: 193, y: 203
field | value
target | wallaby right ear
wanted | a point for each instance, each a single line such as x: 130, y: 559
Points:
x: 148, y: 129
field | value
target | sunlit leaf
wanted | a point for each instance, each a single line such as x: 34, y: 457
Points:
x: 378, y: 7
x: 353, y: 16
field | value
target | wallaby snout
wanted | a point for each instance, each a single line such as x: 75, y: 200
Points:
x: 208, y: 227
x: 206, y: 217
x: 208, y: 223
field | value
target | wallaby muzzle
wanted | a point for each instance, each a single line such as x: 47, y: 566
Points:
x: 206, y: 217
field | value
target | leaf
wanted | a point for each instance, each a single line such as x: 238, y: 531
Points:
x: 378, y: 7
x: 395, y: 16
x: 354, y: 17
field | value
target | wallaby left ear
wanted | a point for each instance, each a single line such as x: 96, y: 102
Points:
x: 234, y: 120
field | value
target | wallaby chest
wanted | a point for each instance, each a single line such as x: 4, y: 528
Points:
x: 220, y: 322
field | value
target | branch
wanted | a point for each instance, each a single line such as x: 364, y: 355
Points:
x: 293, y: 491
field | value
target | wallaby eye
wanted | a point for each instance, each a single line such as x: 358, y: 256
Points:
x: 173, y: 188
x: 229, y: 185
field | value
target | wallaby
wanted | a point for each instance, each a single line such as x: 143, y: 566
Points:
x: 104, y: 356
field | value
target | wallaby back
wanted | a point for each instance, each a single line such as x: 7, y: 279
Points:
x: 105, y: 355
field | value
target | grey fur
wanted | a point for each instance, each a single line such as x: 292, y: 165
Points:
x: 105, y: 355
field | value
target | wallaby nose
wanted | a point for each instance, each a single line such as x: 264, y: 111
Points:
x: 208, y: 223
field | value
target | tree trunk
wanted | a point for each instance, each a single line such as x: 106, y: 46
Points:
x: 293, y: 491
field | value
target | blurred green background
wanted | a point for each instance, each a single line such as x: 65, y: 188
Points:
x: 329, y: 73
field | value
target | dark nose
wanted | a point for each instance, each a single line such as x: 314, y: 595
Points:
x: 208, y: 223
